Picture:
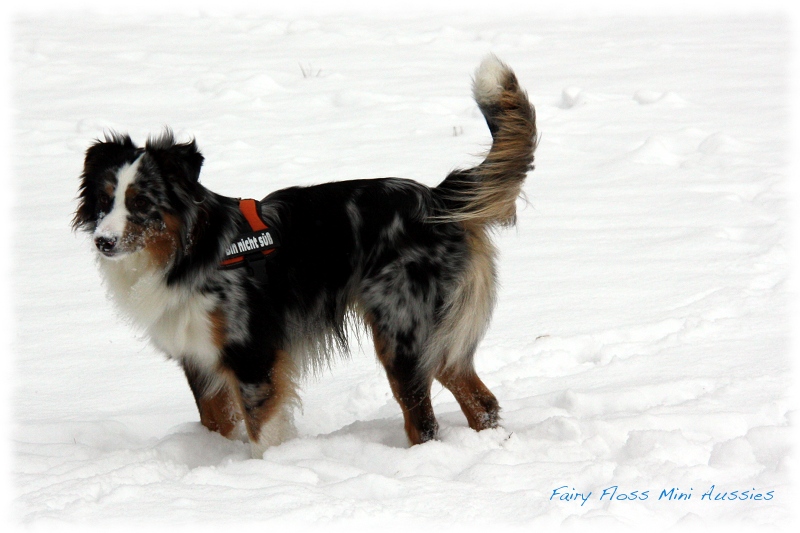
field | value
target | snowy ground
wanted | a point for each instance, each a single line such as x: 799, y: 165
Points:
x: 641, y: 336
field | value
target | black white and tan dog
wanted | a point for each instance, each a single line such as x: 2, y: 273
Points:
x: 248, y: 295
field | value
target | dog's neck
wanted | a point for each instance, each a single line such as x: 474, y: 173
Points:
x: 212, y: 223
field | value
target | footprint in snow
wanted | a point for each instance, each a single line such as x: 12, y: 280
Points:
x: 574, y: 96
x: 645, y: 97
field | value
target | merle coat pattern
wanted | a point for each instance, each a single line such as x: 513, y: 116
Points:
x: 414, y: 264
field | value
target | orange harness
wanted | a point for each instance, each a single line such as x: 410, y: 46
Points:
x: 250, y: 248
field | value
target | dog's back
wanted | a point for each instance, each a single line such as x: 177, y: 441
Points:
x: 415, y: 262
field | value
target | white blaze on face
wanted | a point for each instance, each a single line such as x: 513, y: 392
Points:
x: 112, y: 226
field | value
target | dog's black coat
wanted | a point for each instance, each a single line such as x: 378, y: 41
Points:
x: 414, y: 263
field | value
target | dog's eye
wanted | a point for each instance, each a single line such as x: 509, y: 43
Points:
x: 103, y: 201
x: 141, y: 203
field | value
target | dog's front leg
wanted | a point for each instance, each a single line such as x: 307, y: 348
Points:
x: 217, y: 406
x: 268, y: 402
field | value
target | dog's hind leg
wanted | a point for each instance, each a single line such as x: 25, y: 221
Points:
x: 216, y: 404
x: 411, y: 389
x: 463, y: 326
x: 477, y: 402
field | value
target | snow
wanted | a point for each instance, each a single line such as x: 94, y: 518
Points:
x: 641, y: 338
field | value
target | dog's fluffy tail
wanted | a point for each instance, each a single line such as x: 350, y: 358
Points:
x: 487, y: 193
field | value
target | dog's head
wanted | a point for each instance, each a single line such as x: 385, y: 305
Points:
x: 134, y: 199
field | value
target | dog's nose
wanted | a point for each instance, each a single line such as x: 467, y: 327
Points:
x: 105, y: 244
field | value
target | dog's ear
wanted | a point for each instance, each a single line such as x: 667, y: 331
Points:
x: 109, y: 153
x: 115, y: 149
x: 178, y: 160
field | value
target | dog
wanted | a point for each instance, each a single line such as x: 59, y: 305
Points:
x: 249, y: 295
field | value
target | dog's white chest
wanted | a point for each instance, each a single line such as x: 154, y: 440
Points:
x: 177, y: 321
x: 185, y: 331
